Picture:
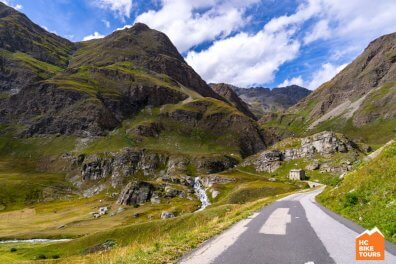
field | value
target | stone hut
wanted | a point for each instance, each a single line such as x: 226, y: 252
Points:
x: 297, y: 175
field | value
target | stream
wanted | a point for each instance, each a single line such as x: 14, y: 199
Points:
x: 201, y: 194
x: 33, y: 241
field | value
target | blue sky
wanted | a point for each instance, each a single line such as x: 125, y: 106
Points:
x: 245, y: 43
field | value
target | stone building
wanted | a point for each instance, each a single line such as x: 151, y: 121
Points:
x: 297, y: 175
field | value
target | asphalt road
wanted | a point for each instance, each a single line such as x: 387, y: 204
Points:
x: 292, y: 230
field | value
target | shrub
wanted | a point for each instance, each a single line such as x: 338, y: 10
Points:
x: 351, y: 199
x: 13, y: 249
x: 41, y: 256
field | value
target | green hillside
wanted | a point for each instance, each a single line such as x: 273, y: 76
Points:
x: 367, y: 195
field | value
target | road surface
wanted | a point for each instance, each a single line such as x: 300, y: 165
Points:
x: 292, y: 230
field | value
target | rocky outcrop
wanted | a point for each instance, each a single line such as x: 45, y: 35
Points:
x: 323, y: 144
x: 116, y: 166
x: 136, y: 193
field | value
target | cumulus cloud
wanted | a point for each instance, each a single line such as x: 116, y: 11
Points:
x: 9, y: 3
x: 321, y: 30
x: 244, y: 59
x: 326, y: 72
x: 353, y: 24
x: 106, y: 23
x: 95, y: 35
x: 190, y: 23
x: 121, y: 8
x: 295, y: 80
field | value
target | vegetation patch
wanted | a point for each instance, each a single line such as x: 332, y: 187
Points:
x: 367, y: 195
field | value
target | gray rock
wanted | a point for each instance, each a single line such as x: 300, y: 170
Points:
x: 171, y: 192
x: 103, y: 210
x: 155, y: 199
x: 324, y: 143
x: 215, y: 194
x: 136, y: 193
x: 166, y: 215
x: 313, y: 166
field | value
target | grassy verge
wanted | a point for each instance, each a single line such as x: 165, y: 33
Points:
x: 368, y: 194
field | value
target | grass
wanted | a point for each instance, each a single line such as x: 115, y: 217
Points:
x: 376, y: 133
x: 41, y: 69
x: 135, y: 237
x: 22, y: 185
x: 367, y: 195
x: 161, y: 241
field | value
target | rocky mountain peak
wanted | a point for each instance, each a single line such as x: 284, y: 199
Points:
x: 227, y: 91
x: 264, y: 100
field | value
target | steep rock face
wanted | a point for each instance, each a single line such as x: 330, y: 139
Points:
x: 324, y: 144
x: 118, y: 166
x: 49, y: 109
x: 226, y: 91
x: 136, y: 193
x: 265, y: 100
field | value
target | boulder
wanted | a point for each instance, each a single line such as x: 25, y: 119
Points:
x: 313, y: 166
x: 166, y: 215
x: 136, y: 193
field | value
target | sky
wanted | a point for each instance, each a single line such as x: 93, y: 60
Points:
x: 245, y: 43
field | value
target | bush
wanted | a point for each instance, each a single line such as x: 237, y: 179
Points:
x: 351, y: 199
x: 55, y: 256
x: 13, y: 249
x: 41, y: 256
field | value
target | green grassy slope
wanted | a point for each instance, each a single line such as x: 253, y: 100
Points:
x: 368, y: 194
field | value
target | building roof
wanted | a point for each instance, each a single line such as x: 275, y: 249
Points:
x: 296, y: 170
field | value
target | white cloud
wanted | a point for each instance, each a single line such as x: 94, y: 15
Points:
x: 351, y: 25
x: 95, y: 35
x: 190, y: 23
x: 326, y: 73
x: 295, y: 80
x: 106, y: 23
x: 321, y: 30
x: 121, y: 7
x: 245, y: 59
x: 9, y: 3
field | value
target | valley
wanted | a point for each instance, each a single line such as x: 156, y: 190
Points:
x: 115, y: 150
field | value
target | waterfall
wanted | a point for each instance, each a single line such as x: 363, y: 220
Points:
x: 200, y: 193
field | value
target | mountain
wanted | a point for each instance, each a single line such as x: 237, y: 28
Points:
x: 28, y: 53
x: 360, y: 101
x: 50, y: 86
x: 265, y: 100
x: 227, y: 91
